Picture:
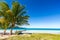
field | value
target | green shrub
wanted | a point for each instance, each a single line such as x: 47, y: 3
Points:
x: 18, y: 32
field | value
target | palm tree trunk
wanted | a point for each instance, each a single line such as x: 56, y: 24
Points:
x: 11, y: 31
x: 12, y: 28
x: 4, y: 31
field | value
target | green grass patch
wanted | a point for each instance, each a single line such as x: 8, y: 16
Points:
x: 36, y: 37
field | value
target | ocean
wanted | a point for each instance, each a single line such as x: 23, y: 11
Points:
x: 35, y: 30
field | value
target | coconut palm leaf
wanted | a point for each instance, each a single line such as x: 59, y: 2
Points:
x: 17, y: 8
x: 4, y: 6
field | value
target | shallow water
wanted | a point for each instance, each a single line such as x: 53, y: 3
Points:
x: 35, y: 30
x: 55, y: 31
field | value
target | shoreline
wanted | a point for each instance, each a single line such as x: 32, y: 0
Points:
x: 34, y: 31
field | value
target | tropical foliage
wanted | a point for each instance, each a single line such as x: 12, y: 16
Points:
x: 15, y: 15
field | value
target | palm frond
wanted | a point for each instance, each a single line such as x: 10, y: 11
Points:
x: 21, y: 14
x: 17, y: 8
x: 2, y: 13
x: 21, y: 20
x: 4, y: 6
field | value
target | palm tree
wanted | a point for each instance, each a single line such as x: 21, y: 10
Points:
x: 16, y: 15
x: 3, y: 24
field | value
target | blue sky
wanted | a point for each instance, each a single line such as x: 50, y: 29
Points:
x: 43, y: 13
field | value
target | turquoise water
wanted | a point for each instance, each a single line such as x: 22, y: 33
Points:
x: 36, y: 29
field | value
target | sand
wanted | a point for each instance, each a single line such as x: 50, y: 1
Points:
x: 6, y: 36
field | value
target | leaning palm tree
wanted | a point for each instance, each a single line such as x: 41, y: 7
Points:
x: 15, y: 15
